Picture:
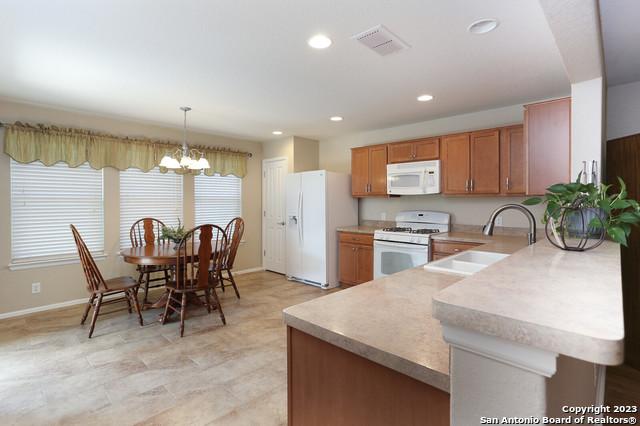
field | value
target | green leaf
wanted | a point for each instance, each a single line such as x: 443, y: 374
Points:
x: 618, y: 235
x: 620, y: 204
x: 573, y: 187
x: 595, y: 223
x: 627, y: 228
x: 557, y: 188
x: 604, y: 205
x: 532, y: 201
x: 623, y: 188
x: 629, y: 217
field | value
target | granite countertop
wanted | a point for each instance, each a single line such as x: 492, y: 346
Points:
x: 561, y: 301
x: 566, y: 302
x: 389, y: 320
x: 358, y: 229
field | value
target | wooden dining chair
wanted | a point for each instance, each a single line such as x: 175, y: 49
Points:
x: 202, y: 249
x: 234, y: 231
x: 147, y: 231
x: 98, y: 287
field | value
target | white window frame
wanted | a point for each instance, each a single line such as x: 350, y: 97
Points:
x: 71, y: 255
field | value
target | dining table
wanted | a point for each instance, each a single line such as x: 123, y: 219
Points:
x: 158, y: 255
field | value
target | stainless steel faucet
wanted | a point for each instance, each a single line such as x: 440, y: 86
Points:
x: 531, y: 236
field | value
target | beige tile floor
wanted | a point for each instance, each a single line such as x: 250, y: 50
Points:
x: 51, y: 373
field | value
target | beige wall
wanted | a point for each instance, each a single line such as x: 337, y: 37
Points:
x: 623, y: 110
x: 335, y: 155
x: 66, y: 282
x: 305, y: 154
x: 302, y: 154
x: 280, y: 148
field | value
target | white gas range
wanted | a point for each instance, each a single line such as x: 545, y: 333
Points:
x: 407, y: 244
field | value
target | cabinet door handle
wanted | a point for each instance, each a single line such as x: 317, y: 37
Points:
x: 466, y: 185
x: 508, y: 183
x: 471, y: 185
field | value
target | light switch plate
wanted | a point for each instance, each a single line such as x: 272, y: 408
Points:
x: 499, y: 221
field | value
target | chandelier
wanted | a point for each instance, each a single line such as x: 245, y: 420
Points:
x: 185, y: 158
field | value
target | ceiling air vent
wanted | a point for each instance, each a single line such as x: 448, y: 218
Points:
x: 381, y: 40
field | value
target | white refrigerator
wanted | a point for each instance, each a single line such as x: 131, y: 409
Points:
x: 317, y: 202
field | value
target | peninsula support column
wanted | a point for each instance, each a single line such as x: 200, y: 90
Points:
x: 495, y: 378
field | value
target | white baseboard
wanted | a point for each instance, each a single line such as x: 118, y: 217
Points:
x: 28, y: 311
x: 248, y: 271
x: 68, y: 303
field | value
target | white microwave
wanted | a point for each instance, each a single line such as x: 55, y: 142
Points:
x: 420, y: 177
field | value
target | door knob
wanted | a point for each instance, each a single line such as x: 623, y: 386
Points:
x: 282, y: 223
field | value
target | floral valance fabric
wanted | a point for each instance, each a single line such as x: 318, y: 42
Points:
x: 26, y: 143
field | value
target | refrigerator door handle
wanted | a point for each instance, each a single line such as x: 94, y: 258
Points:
x: 301, y: 217
x: 299, y: 221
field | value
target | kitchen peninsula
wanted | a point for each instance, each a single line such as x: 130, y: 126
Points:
x: 521, y: 331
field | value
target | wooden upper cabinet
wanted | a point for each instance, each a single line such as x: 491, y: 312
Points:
x: 360, y: 171
x: 456, y: 162
x: 400, y: 152
x: 513, y: 157
x: 415, y: 150
x: 369, y: 171
x: 378, y: 170
x: 548, y: 141
x: 485, y: 162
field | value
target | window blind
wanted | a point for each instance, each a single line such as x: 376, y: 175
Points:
x: 45, y: 200
x: 218, y: 199
x: 150, y: 194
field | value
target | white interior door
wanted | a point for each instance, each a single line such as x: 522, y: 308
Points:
x: 274, y: 172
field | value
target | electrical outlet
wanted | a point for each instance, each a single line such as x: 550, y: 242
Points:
x: 383, y: 216
x: 35, y: 288
x: 499, y: 221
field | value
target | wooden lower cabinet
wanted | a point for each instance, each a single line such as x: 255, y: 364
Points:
x: 355, y: 258
x: 328, y: 385
x: 442, y: 249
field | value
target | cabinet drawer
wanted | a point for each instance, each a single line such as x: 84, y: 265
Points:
x: 451, y: 247
x: 355, y: 238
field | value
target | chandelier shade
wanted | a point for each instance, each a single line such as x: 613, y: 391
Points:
x: 185, y: 158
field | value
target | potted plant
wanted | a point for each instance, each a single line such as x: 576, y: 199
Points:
x: 174, y: 234
x: 585, y: 212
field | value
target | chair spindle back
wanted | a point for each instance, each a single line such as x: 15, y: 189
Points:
x: 95, y: 281
x: 146, y: 231
x: 192, y: 264
x: 234, y: 232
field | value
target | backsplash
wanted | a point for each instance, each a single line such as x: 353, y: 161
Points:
x: 464, y: 210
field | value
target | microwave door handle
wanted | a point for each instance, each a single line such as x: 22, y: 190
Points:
x: 425, y: 181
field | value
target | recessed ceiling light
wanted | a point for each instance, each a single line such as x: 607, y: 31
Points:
x: 319, y: 41
x: 277, y: 132
x: 483, y: 26
x: 424, y: 98
x: 336, y: 118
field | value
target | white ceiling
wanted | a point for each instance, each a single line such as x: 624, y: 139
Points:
x: 245, y: 68
x: 621, y: 39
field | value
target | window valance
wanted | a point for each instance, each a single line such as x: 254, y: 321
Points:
x: 26, y: 143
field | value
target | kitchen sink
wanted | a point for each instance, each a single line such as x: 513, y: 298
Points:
x: 465, y: 263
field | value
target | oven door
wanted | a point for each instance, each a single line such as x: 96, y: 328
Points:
x: 390, y: 257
